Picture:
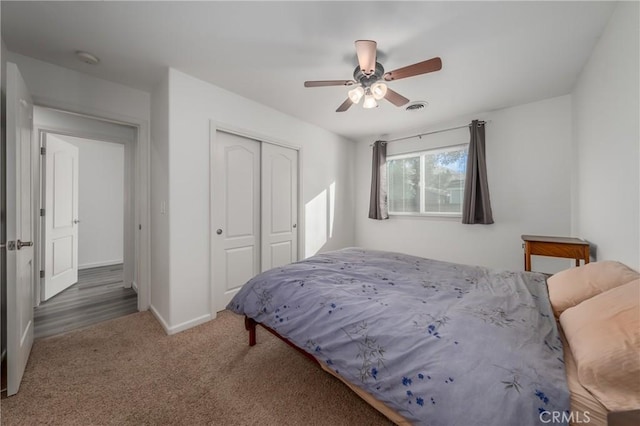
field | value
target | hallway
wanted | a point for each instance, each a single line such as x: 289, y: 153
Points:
x: 98, y: 296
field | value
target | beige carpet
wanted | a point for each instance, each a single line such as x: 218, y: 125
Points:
x: 127, y: 371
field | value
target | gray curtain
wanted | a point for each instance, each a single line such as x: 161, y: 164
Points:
x: 476, y: 207
x: 378, y: 208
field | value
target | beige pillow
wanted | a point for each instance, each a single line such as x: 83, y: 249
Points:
x: 604, y: 336
x: 572, y: 286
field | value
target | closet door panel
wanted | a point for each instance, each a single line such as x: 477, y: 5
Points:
x: 235, y: 207
x: 279, y: 206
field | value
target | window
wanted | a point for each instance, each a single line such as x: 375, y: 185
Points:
x: 428, y: 182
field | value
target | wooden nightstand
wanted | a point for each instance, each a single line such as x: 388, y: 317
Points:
x: 571, y: 248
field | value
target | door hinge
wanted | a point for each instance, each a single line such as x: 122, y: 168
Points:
x: 11, y: 245
x: 42, y: 274
x: 41, y: 212
x: 43, y: 150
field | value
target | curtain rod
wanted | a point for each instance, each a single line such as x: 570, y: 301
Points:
x: 420, y: 135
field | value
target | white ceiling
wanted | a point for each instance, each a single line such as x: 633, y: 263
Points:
x: 494, y: 54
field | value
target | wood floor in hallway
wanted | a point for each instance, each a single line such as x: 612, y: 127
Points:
x: 98, y: 296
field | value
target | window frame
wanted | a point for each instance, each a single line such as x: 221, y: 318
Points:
x: 421, y: 154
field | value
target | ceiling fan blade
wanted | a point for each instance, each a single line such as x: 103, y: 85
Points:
x: 345, y: 105
x: 366, y: 51
x: 395, y: 98
x: 322, y: 83
x: 430, y: 65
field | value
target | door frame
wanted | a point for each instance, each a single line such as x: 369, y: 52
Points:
x: 216, y: 126
x: 138, y: 166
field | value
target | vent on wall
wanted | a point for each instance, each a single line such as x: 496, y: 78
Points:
x: 416, y: 106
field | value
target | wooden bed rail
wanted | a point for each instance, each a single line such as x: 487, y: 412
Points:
x: 250, y: 325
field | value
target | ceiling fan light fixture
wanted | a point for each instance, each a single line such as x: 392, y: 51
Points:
x: 369, y: 101
x: 356, y: 94
x: 379, y: 90
x: 366, y: 52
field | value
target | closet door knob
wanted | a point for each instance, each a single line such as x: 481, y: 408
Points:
x: 219, y: 231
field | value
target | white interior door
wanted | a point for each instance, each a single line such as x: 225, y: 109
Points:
x: 279, y: 206
x: 61, y: 216
x: 20, y: 250
x: 235, y: 207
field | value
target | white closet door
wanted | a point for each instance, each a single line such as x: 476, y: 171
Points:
x: 235, y: 206
x: 279, y: 206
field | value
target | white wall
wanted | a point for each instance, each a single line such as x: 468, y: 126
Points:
x: 160, y: 264
x: 326, y: 161
x: 100, y: 202
x: 528, y: 164
x: 607, y: 139
x: 50, y: 83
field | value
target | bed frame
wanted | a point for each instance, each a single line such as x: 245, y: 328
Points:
x: 250, y: 324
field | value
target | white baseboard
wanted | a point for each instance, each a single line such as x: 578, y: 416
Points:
x: 161, y: 320
x: 98, y: 264
x: 180, y: 327
x: 189, y: 324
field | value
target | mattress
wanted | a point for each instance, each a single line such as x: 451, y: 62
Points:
x: 581, y: 399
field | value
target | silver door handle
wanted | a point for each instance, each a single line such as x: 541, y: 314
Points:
x: 20, y: 244
x: 76, y: 221
x: 219, y: 232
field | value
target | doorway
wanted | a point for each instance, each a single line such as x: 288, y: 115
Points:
x: 87, y: 255
x: 82, y: 281
x: 25, y: 125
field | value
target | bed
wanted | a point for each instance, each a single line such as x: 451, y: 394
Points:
x: 423, y: 341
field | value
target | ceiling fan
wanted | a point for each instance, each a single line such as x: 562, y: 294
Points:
x: 369, y: 77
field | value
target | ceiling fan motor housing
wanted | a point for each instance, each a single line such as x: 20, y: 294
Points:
x: 368, y: 80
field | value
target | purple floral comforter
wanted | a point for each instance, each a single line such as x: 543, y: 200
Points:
x: 440, y: 343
